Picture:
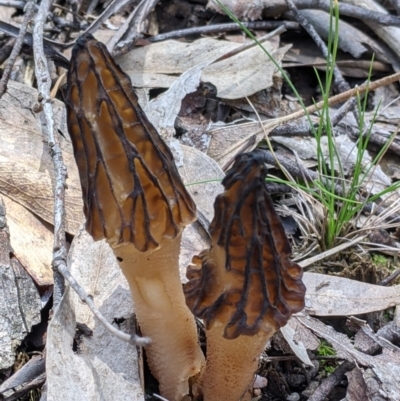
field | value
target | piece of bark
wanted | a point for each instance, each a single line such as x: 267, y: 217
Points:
x: 19, y: 299
x: 331, y: 381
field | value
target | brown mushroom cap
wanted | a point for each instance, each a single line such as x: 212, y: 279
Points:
x: 127, y: 172
x: 246, y: 281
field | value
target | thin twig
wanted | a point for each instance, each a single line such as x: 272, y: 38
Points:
x: 50, y: 47
x: 344, y: 9
x: 130, y: 30
x: 249, y: 141
x: 343, y: 110
x: 219, y: 28
x: 331, y: 382
x: 389, y: 280
x: 88, y: 300
x: 44, y: 83
x: 30, y: 8
x: 339, y: 82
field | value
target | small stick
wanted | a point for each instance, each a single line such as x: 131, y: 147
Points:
x: 88, y: 300
x: 331, y: 381
x: 130, y: 30
x: 30, y: 8
x: 340, y: 83
x: 44, y: 83
x: 218, y: 28
x: 345, y: 9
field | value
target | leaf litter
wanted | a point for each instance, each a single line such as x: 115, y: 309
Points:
x: 180, y: 67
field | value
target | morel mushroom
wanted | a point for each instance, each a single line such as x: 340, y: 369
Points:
x: 135, y: 199
x: 244, y: 287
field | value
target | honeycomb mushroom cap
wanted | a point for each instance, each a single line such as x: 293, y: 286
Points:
x: 127, y: 172
x: 246, y: 280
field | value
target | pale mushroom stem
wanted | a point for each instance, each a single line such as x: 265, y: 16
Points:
x: 174, y: 355
x: 231, y: 365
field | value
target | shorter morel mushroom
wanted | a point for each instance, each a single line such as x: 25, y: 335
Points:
x: 244, y: 287
x: 135, y: 199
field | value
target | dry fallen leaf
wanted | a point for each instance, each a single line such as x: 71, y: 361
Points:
x: 241, y: 75
x: 297, y: 347
x: 159, y: 64
x: 26, y: 169
x: 32, y: 242
x: 339, y: 296
x: 243, y: 9
x: 245, y: 73
x: 102, y: 366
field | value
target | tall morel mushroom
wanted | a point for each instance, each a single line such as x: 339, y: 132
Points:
x: 244, y: 287
x: 135, y: 199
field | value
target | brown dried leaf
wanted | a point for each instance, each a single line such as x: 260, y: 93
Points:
x: 32, y: 242
x: 26, y: 168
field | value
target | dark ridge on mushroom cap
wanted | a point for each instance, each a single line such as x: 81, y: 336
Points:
x: 132, y: 191
x: 246, y: 280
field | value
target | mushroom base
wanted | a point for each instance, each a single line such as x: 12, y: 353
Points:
x: 174, y: 356
x: 231, y: 365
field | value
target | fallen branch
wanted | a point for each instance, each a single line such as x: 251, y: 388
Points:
x: 331, y: 381
x: 44, y: 84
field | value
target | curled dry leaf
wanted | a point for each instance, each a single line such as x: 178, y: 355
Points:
x: 243, y: 74
x: 26, y: 169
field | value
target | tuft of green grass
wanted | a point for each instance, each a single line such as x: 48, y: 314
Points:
x: 336, y: 194
x: 325, y: 349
